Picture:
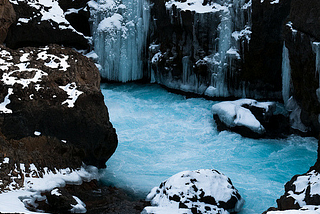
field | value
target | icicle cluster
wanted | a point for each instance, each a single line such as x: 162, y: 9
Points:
x: 119, y: 34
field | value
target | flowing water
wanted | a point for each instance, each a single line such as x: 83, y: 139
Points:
x: 161, y: 134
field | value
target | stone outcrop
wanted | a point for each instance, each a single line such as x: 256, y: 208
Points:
x: 262, y: 64
x: 52, y: 112
x: 199, y: 191
x: 251, y: 118
x: 199, y: 48
x: 301, y: 37
x: 7, y: 17
x: 45, y: 22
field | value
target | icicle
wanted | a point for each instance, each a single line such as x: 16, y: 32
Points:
x: 316, y: 49
x: 286, y: 74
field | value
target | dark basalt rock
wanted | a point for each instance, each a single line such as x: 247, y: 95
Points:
x: 31, y: 30
x: 76, y: 133
x: 105, y: 199
x: 60, y: 200
x: 299, y: 40
x: 7, y: 17
x: 262, y: 67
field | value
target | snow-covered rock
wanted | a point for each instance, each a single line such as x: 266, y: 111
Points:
x: 200, y: 191
x: 44, y: 22
x: 53, y: 91
x: 243, y: 115
x: 301, y: 192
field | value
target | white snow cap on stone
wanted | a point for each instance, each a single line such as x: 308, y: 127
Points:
x: 209, y: 188
x: 233, y: 114
x: 197, y: 6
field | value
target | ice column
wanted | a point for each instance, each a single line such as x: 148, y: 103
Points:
x: 286, y: 74
x: 316, y: 49
x: 119, y: 35
x: 234, y: 29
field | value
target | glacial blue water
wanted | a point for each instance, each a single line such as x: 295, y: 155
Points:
x: 161, y: 134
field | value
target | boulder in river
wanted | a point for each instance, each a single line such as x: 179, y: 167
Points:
x: 199, y: 191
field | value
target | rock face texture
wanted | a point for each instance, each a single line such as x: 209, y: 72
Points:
x: 263, y: 60
x: 199, y: 48
x: 45, y: 22
x: 7, y: 17
x: 51, y: 106
x: 302, y: 37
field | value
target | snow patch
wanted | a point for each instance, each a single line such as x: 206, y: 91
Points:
x: 80, y: 207
x: 55, y: 192
x: 197, y: 6
x: 10, y: 79
x: 54, y: 61
x: 3, y: 108
x: 36, y: 181
x: 36, y: 133
x: 73, y: 94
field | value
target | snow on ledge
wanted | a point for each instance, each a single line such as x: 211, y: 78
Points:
x: 3, y: 108
x: 13, y: 200
x: 196, y: 6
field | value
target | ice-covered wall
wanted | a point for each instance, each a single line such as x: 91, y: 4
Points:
x: 286, y: 74
x: 119, y: 37
x: 200, y: 46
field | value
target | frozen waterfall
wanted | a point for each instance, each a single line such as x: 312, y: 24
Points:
x: 286, y: 74
x: 119, y: 35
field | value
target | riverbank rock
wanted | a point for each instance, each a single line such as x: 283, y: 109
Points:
x: 250, y: 118
x: 51, y: 106
x: 200, y: 191
x: 7, y: 17
x: 43, y: 22
x: 302, y: 39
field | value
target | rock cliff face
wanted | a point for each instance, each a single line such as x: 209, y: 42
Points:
x: 199, y: 47
x: 302, y: 37
x: 51, y: 106
x: 7, y: 17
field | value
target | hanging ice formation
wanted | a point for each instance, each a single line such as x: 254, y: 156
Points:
x: 227, y: 25
x: 316, y: 49
x: 286, y: 74
x: 120, y: 30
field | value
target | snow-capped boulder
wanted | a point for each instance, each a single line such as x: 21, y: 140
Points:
x: 52, y: 112
x: 302, y: 191
x: 7, y: 17
x: 44, y: 22
x: 244, y: 116
x: 200, y: 191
